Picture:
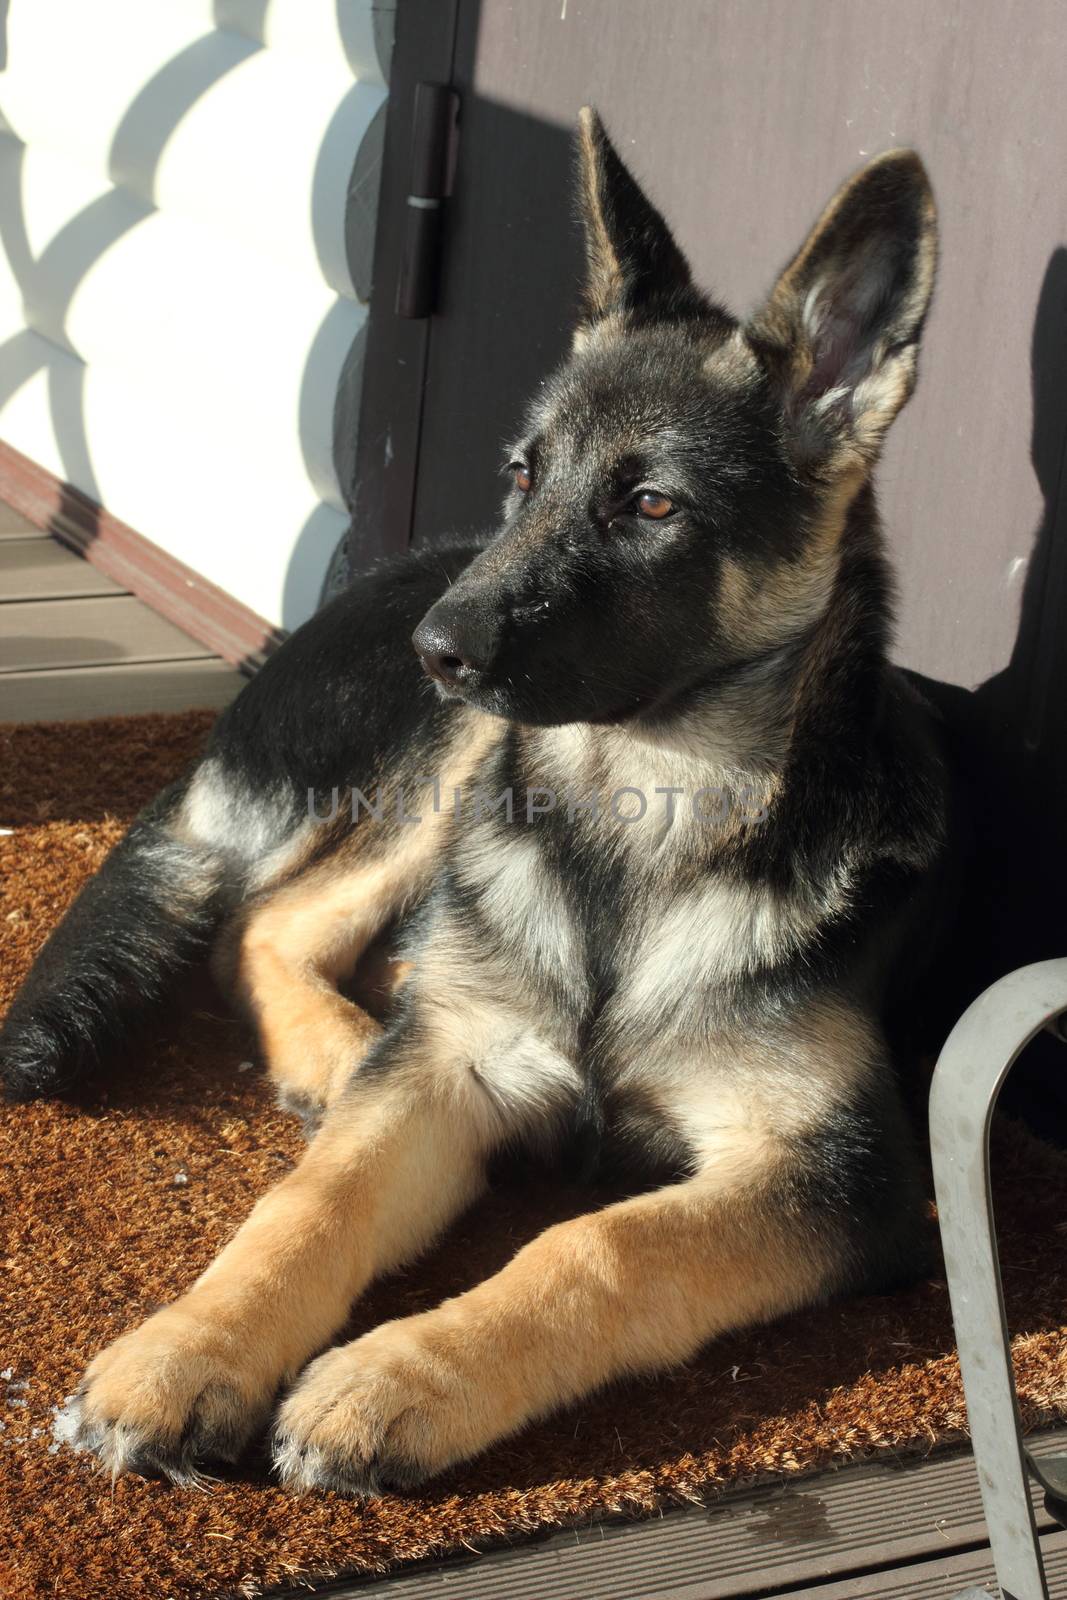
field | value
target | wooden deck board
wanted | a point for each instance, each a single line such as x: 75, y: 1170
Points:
x: 15, y: 526
x: 942, y: 1579
x: 812, y: 1537
x: 81, y: 692
x: 36, y: 635
x: 74, y: 644
x: 41, y: 569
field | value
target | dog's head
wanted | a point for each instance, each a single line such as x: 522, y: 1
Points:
x: 679, y: 495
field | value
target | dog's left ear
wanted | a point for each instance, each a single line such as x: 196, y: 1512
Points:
x: 631, y: 259
x: 842, y: 326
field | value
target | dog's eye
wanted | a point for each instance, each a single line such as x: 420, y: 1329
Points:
x: 652, y: 505
x: 523, y: 478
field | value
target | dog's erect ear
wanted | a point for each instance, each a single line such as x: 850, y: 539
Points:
x: 632, y: 261
x: 841, y: 328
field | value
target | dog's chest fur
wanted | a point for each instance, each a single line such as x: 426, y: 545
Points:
x: 605, y: 951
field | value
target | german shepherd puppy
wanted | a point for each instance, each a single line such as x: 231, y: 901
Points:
x: 678, y: 822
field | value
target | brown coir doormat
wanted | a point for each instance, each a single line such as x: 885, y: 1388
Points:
x: 112, y: 1207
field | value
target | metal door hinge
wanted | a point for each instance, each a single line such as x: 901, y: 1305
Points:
x: 433, y: 151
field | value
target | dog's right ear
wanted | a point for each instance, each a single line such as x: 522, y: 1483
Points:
x: 631, y: 259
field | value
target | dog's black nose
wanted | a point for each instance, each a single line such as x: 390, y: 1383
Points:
x: 453, y: 645
x: 448, y: 667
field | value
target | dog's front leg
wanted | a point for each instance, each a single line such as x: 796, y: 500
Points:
x: 637, y: 1286
x: 400, y: 1156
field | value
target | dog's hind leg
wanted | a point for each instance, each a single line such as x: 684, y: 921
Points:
x: 285, y: 951
x: 151, y: 910
x: 285, y: 954
x: 144, y: 916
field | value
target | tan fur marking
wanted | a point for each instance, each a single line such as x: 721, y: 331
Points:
x: 299, y: 942
x: 605, y: 274
x: 766, y: 1085
x: 731, y: 747
x: 597, y: 335
x: 293, y: 947
x: 759, y: 606
x: 734, y: 360
x: 694, y: 947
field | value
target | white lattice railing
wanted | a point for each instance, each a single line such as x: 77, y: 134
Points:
x: 187, y: 199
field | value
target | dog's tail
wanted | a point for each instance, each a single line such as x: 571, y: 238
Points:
x: 147, y: 913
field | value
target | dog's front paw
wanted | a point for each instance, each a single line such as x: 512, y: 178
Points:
x: 175, y: 1393
x: 386, y: 1411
